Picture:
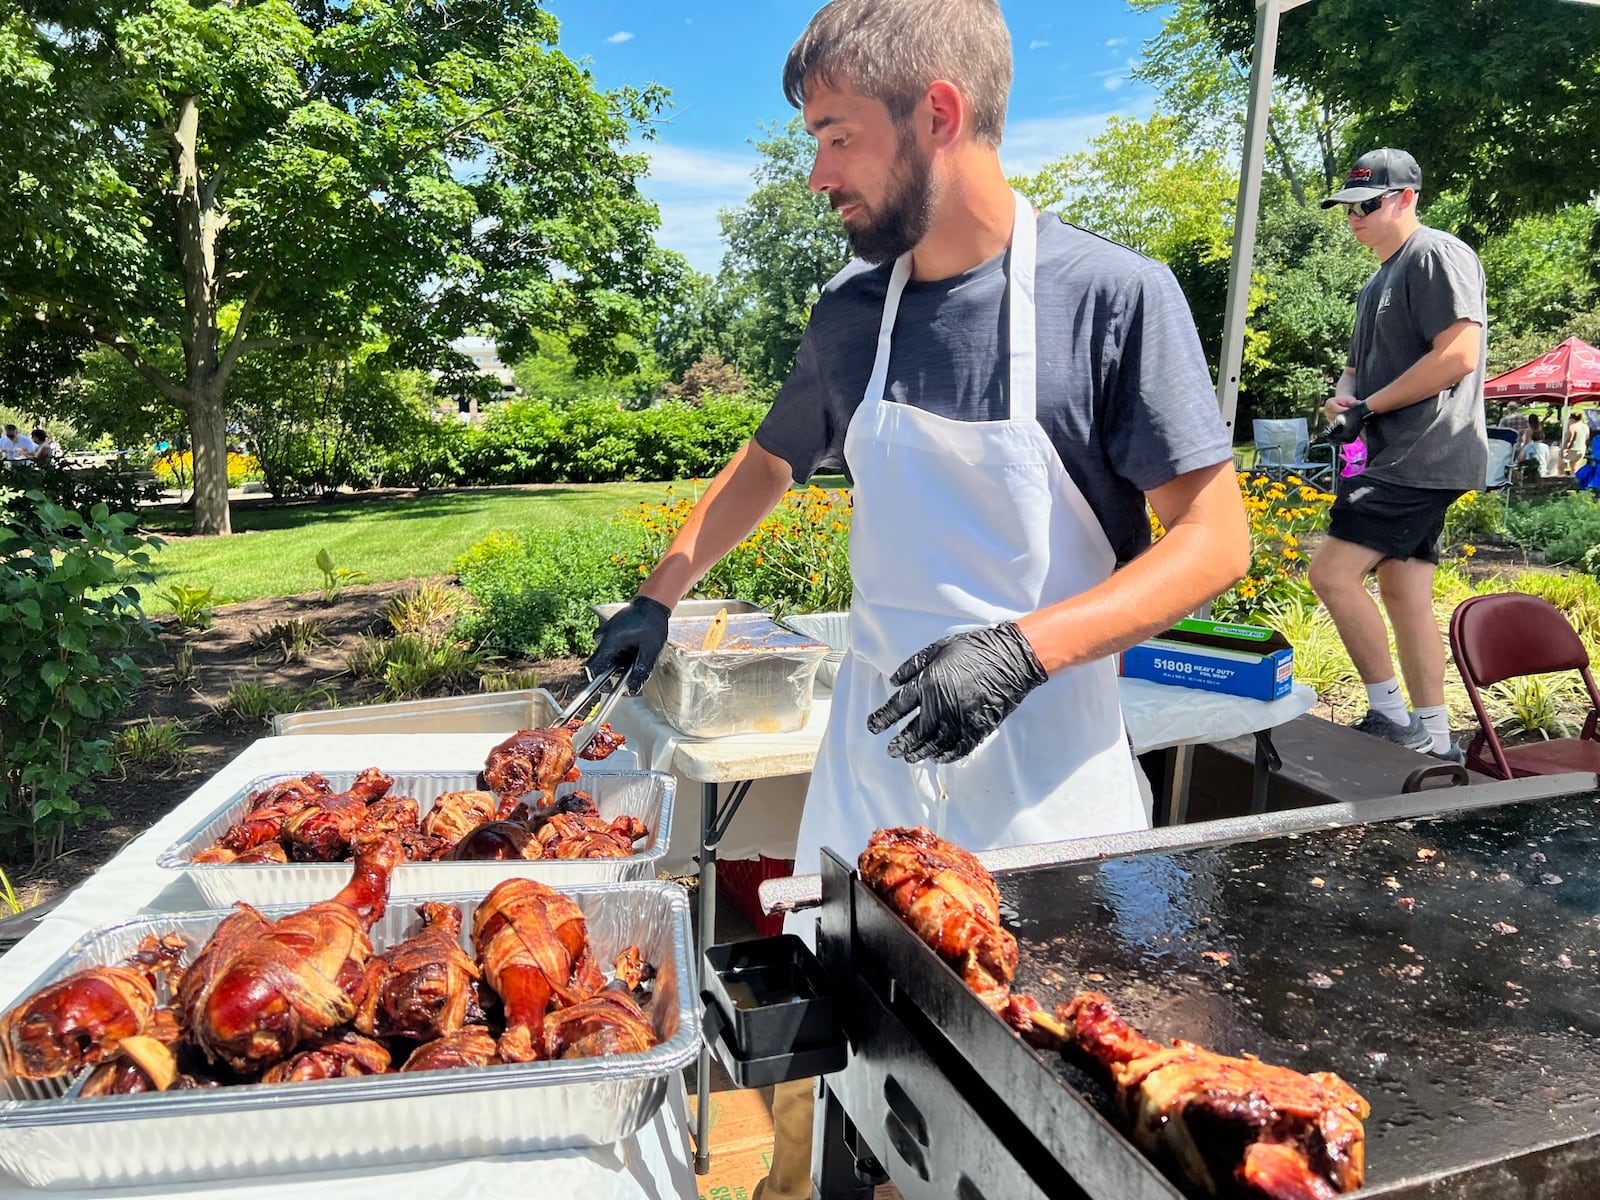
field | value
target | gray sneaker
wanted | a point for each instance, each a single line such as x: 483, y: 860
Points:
x: 1412, y: 736
x: 1453, y: 755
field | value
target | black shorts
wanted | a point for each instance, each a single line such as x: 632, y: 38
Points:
x: 1395, y: 520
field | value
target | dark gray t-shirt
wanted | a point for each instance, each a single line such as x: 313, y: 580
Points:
x: 1430, y: 283
x: 1124, y: 393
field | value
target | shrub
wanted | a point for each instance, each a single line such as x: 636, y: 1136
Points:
x: 66, y: 665
x: 1563, y: 528
x: 251, y: 702
x: 1475, y: 517
x: 192, y: 606
x: 334, y: 578
x: 151, y: 745
x: 417, y: 665
x: 175, y: 469
x: 119, y: 485
x: 585, y: 441
x: 534, y: 598
x: 427, y: 604
x: 293, y: 640
x: 1280, y: 513
x: 796, y: 560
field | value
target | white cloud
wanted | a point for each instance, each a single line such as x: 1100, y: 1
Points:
x: 622, y: 35
x: 691, y: 186
x: 1115, y: 82
x: 1031, y: 143
x: 1115, y: 42
x: 1037, y: 44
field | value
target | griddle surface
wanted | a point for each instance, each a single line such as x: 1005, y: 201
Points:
x: 1448, y: 968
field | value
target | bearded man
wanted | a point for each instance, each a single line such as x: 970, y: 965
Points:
x: 1007, y: 393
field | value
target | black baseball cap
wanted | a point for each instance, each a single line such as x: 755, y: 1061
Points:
x: 1377, y: 172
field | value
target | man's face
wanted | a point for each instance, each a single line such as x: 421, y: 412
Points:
x: 874, y: 174
x: 1377, y: 228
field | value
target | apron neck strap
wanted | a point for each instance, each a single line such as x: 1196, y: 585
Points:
x: 1023, y: 372
x: 1024, y: 356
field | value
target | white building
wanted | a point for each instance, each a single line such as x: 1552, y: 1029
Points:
x: 485, y: 356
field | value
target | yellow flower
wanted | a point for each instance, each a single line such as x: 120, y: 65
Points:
x: 1289, y: 539
x: 1469, y: 551
x: 1293, y: 480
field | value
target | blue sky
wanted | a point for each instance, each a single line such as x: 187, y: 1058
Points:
x: 722, y: 61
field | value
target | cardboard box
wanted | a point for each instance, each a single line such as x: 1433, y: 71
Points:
x: 1238, y: 660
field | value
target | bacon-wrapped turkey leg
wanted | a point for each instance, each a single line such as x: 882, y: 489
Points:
x: 534, y: 947
x: 949, y: 900
x: 261, y: 988
x: 1235, y: 1127
x: 473, y: 1046
x: 423, y: 988
x: 77, y: 1021
x: 324, y: 830
x: 342, y: 1057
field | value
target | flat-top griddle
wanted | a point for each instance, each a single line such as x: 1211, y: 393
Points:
x: 1447, y: 966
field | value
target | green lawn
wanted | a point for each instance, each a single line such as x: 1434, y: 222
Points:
x: 273, y: 551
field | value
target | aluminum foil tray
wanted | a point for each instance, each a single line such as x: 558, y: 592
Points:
x: 647, y: 795
x: 251, y: 1130
x: 832, y: 628
x: 759, y: 681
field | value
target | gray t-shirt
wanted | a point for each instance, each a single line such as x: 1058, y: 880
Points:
x: 1430, y: 283
x: 1124, y: 393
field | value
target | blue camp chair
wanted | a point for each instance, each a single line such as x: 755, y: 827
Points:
x: 1283, y: 448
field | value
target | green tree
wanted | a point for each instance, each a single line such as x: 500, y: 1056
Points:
x: 1497, y: 99
x: 784, y: 244
x: 1208, y: 93
x: 1141, y: 184
x: 202, y: 181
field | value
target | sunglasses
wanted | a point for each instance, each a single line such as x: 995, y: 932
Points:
x: 1364, y: 208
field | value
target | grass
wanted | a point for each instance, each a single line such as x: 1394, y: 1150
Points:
x: 274, y: 550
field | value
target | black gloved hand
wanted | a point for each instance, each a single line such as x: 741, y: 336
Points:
x: 1346, y: 427
x: 631, y: 639
x: 964, y: 685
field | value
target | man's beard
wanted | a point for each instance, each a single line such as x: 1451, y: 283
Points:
x: 902, y: 220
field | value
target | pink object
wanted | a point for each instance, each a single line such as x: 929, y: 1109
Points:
x: 1355, y: 459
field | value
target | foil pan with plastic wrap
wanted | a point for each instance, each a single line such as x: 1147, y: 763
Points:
x: 167, y: 1138
x: 647, y: 795
x: 757, y: 679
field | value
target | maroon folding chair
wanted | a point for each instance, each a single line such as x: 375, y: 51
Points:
x: 1506, y: 635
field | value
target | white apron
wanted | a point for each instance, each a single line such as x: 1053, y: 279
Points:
x: 958, y: 525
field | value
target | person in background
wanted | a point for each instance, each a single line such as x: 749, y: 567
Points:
x: 1414, y: 389
x: 1007, y: 393
x: 1574, y: 444
x: 1535, y: 455
x: 1514, y: 418
x: 44, y: 450
x: 14, y: 446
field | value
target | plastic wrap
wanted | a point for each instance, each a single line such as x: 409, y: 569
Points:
x: 758, y: 681
x: 647, y: 795
x: 832, y: 628
x: 249, y: 1130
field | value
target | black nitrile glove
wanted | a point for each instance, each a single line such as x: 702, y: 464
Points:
x: 964, y: 685
x: 1346, y: 427
x: 631, y: 639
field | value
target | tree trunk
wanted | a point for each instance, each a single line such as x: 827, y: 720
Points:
x: 208, y: 438
x: 205, y: 378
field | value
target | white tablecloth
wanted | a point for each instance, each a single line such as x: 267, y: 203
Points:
x: 1158, y: 716
x: 654, y: 1164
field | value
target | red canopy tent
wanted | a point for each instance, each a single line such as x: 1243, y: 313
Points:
x: 1569, y: 374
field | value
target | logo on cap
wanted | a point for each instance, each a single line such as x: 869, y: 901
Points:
x: 1359, y: 175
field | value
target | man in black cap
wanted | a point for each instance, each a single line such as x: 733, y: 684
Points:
x: 1413, y: 387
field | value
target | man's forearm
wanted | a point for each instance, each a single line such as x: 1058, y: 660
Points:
x: 1205, y: 551
x: 742, y: 493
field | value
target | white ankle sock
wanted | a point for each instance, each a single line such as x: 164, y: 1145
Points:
x: 1436, y: 721
x: 1385, y: 698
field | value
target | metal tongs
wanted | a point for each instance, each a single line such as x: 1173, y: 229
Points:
x: 585, y: 733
